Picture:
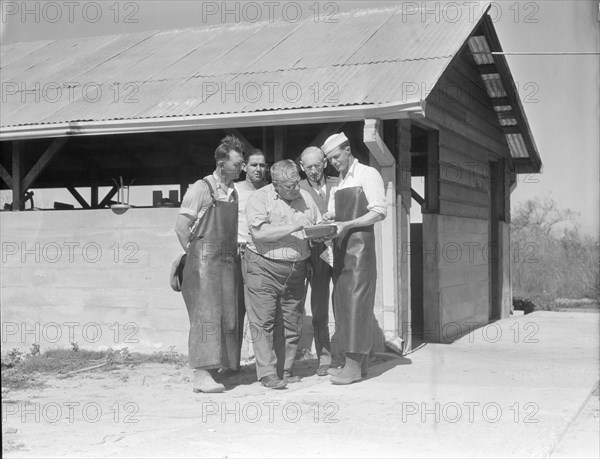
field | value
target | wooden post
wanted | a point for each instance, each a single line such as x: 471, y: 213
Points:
x: 17, y: 189
x: 93, y: 191
x: 403, y: 174
x: 432, y: 182
x: 264, y: 144
x: 280, y: 143
x: 385, y: 232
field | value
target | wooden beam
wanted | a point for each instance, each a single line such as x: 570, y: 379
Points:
x: 385, y: 231
x: 432, y: 181
x: 185, y: 160
x: 41, y: 164
x: 263, y: 135
x: 507, y: 114
x: 328, y: 130
x: 499, y: 101
x: 245, y: 143
x: 403, y: 199
x: 94, y: 196
x: 5, y: 176
x: 78, y: 197
x: 17, y: 188
x: 108, y: 197
x: 280, y: 143
x: 417, y: 197
x: 512, y: 130
x: 486, y: 69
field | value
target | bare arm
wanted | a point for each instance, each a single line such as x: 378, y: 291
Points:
x: 367, y: 219
x: 182, y: 229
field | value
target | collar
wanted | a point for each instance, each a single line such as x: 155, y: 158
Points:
x: 220, y: 184
x: 316, y: 185
x: 350, y: 169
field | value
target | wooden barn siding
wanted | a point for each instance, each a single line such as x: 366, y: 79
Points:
x: 457, y: 290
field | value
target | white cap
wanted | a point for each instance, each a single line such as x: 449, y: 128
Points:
x: 334, y: 141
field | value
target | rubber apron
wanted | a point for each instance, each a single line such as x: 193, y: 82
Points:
x: 354, y: 275
x: 209, y: 286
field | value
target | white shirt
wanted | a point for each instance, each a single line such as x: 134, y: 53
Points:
x: 371, y: 182
x: 244, y: 190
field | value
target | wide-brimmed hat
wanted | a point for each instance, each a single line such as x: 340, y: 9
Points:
x: 176, y: 277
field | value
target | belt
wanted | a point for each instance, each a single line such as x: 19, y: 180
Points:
x: 276, y: 260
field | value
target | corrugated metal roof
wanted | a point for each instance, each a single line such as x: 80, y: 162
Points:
x: 366, y: 58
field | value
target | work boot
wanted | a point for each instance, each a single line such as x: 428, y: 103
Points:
x: 323, y: 370
x: 288, y: 378
x: 273, y: 382
x: 364, y: 369
x: 204, y: 382
x: 351, y: 371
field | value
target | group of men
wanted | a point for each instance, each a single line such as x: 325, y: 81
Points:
x: 248, y: 253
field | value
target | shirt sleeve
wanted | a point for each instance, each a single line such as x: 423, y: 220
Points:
x: 256, y: 210
x: 374, y: 191
x: 196, y: 199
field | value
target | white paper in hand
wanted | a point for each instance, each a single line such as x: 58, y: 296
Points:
x: 327, y: 254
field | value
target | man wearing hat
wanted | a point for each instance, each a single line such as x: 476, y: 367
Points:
x: 207, y: 230
x: 318, y: 185
x: 356, y: 204
x: 276, y: 268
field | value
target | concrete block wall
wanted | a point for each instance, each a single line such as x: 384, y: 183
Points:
x: 94, y: 278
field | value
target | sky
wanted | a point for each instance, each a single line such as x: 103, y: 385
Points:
x: 560, y: 92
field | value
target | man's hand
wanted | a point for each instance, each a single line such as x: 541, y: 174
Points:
x: 328, y: 217
x: 342, y: 229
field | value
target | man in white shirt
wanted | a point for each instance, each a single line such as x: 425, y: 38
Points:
x: 255, y: 166
x: 319, y: 186
x: 357, y: 203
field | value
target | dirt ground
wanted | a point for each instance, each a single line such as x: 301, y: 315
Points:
x: 120, y: 412
x: 149, y: 409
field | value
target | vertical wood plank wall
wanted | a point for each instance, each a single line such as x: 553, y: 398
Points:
x: 456, y: 241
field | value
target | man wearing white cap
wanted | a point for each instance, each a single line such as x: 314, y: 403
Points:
x: 356, y: 204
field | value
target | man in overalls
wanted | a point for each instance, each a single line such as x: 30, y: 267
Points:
x: 356, y: 204
x: 207, y: 230
x: 319, y: 186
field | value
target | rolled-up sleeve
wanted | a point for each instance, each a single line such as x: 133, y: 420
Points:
x: 373, y: 187
x: 256, y: 210
x: 195, y: 200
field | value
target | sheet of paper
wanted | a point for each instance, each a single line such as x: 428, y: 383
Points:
x: 327, y: 254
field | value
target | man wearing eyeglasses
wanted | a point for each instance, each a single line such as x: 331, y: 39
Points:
x: 276, y: 267
x: 318, y: 185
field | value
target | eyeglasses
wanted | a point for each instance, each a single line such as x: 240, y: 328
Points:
x: 289, y: 186
x: 316, y: 166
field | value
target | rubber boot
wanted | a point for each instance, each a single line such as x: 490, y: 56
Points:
x: 364, y: 369
x: 351, y: 371
x: 204, y: 382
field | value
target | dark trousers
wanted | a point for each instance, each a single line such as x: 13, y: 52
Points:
x: 274, y: 285
x: 240, y: 275
x: 319, y: 303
